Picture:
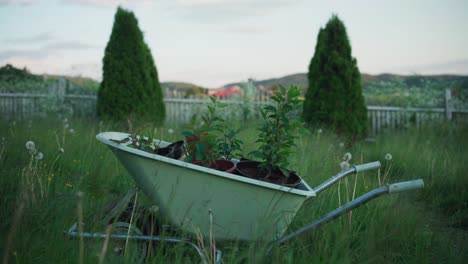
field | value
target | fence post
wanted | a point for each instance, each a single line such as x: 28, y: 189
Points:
x: 250, y: 93
x: 448, y: 108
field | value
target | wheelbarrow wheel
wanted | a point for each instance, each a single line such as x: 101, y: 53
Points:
x: 122, y: 250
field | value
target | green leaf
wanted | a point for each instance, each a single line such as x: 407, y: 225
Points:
x: 187, y: 133
x: 213, y: 99
x: 270, y: 108
x: 282, y: 89
x: 256, y: 154
x: 193, y: 119
x: 211, y: 109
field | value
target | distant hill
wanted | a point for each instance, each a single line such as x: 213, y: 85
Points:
x: 14, y: 80
x: 381, y: 89
x: 300, y: 79
x: 414, y: 90
x: 390, y: 89
x: 181, y: 89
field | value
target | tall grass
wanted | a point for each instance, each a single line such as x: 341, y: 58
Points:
x: 405, y: 228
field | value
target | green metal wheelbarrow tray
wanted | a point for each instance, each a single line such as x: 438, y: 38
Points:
x: 242, y: 208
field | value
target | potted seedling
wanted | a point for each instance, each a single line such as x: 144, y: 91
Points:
x: 281, y: 126
x: 202, y: 137
x: 145, y: 143
x: 228, y: 144
x: 150, y: 144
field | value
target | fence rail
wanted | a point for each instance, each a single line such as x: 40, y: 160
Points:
x: 16, y: 105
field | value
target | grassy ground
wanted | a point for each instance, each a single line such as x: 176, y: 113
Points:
x: 39, y: 200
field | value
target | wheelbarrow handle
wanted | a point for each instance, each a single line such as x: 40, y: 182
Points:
x: 386, y: 189
x: 405, y: 186
x: 368, y: 166
x: 355, y: 169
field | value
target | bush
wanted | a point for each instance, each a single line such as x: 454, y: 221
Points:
x: 334, y: 96
x: 130, y: 87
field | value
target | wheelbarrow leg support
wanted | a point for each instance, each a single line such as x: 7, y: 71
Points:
x: 392, y: 188
x: 120, y: 206
x: 73, y: 232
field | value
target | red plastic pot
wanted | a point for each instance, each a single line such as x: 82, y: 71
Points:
x: 221, y: 165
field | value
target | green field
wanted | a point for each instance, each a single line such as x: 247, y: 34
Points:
x: 39, y: 200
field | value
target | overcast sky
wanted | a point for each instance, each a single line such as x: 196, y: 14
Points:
x: 213, y: 42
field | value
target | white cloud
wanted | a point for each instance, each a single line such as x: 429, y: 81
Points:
x: 247, y: 29
x: 41, y: 37
x: 203, y: 2
x: 67, y: 45
x: 108, y: 3
x: 21, y: 2
x: 44, y: 51
x: 22, y: 53
x: 243, y: 3
x: 209, y: 10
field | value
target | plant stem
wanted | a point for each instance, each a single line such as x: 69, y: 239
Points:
x: 13, y: 228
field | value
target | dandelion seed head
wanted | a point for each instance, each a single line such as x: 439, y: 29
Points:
x: 65, y: 120
x: 344, y: 165
x: 170, y: 131
x: 61, y: 150
x: 154, y: 209
x: 319, y: 131
x: 347, y: 156
x: 72, y: 131
x: 66, y: 125
x: 39, y: 156
x: 388, y: 156
x: 30, y: 145
x: 341, y: 144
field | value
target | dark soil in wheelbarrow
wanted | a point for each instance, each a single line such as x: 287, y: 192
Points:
x: 250, y: 169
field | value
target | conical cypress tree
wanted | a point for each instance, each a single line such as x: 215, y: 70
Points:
x: 334, y: 96
x: 130, y: 87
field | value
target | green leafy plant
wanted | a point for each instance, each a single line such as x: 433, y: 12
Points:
x: 201, y: 139
x: 146, y: 143
x: 228, y: 144
x: 281, y: 127
x: 143, y: 143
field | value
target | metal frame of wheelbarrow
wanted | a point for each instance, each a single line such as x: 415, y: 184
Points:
x: 387, y: 189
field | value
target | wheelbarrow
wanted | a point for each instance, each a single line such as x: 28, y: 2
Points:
x: 201, y: 201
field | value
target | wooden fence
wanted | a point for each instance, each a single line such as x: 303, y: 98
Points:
x: 20, y: 106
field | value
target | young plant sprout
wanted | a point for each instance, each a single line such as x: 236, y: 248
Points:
x: 202, y: 137
x: 281, y: 126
